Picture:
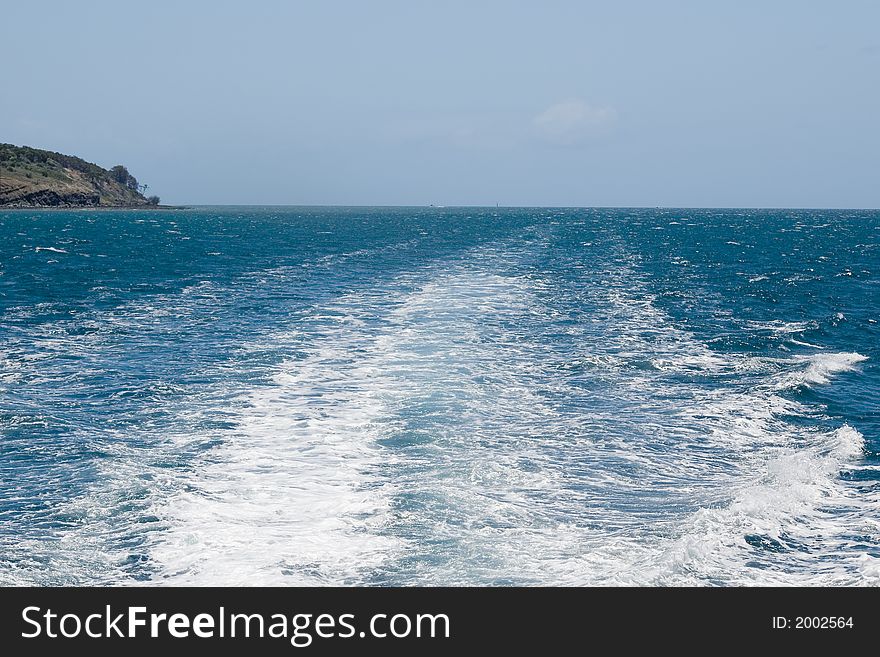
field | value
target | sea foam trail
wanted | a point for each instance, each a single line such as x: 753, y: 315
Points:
x: 781, y: 504
x: 530, y: 494
x: 479, y: 422
x: 788, y: 513
x: 289, y: 498
x: 545, y: 409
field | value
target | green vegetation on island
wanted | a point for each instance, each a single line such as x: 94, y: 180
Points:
x: 31, y: 177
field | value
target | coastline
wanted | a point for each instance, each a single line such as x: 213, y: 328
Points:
x: 94, y: 207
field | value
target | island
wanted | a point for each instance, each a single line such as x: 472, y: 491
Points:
x: 35, y: 178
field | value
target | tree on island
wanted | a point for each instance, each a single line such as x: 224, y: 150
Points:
x: 121, y: 175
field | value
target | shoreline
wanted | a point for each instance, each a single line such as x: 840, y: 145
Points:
x: 94, y: 207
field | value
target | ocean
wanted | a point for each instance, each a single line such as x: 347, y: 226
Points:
x: 439, y: 396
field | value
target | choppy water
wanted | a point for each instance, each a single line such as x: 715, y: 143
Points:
x: 439, y: 396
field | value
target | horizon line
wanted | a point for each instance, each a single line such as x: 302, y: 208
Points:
x: 185, y: 206
x: 511, y: 207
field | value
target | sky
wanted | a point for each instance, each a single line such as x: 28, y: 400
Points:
x: 331, y: 102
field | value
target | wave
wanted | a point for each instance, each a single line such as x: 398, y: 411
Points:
x: 289, y: 497
x: 471, y: 423
x: 820, y: 368
x: 782, y: 327
x: 483, y: 419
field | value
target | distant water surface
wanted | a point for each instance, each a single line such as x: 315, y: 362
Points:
x: 420, y: 396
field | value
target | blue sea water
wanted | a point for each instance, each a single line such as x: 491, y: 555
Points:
x: 419, y: 396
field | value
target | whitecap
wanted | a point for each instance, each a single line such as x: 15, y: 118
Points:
x: 820, y: 368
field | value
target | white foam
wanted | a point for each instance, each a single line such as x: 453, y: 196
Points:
x: 782, y: 327
x: 290, y: 498
x: 793, y: 503
x: 306, y: 494
x: 847, y: 443
x: 820, y: 368
x: 466, y: 424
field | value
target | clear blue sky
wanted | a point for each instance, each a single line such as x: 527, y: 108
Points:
x: 768, y: 103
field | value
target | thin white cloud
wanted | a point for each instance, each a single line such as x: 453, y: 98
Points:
x: 574, y: 122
